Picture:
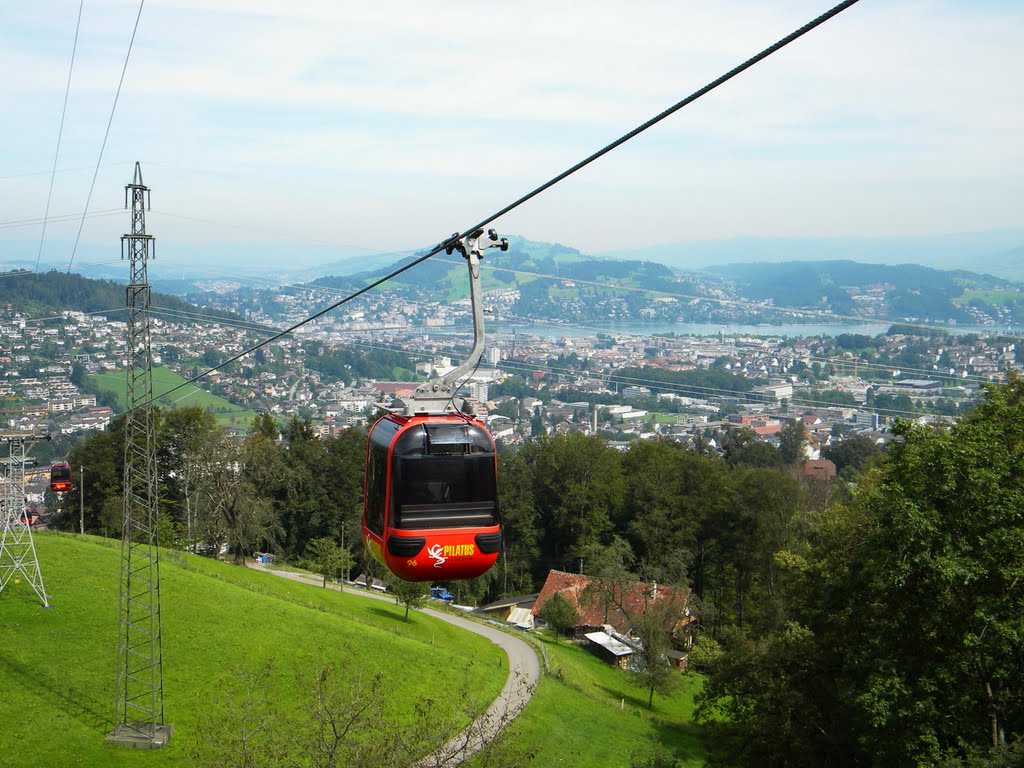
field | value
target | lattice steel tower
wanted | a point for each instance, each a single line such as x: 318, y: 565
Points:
x: 17, y: 548
x: 140, y: 687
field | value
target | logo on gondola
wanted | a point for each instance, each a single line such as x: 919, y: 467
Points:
x: 437, y: 552
x: 458, y: 551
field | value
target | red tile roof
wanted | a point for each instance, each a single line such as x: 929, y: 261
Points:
x: 629, y: 600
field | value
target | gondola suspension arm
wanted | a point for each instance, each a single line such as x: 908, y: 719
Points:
x: 438, y: 397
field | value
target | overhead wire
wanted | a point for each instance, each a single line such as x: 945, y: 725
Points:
x: 103, y: 145
x: 741, y: 303
x: 692, y: 390
x: 450, y: 242
x: 272, y: 233
x: 60, y: 134
x: 27, y: 174
x: 18, y: 223
x: 63, y: 316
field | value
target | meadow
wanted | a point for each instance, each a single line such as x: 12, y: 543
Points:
x: 227, y: 413
x: 221, y: 625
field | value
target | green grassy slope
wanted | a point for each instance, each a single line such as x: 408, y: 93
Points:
x: 164, y: 380
x: 57, y: 666
x: 589, y: 713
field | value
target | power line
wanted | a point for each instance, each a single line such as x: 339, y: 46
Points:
x: 62, y: 317
x: 60, y: 134
x: 741, y: 303
x: 18, y: 223
x: 103, y: 145
x: 274, y: 233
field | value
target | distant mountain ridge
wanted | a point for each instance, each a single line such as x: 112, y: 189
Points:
x: 901, y: 291
x: 53, y: 292
x: 561, y: 283
x: 998, y: 252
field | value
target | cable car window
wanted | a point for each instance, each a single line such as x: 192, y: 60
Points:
x: 445, y: 491
x: 376, y: 486
x: 60, y: 473
x: 444, y: 439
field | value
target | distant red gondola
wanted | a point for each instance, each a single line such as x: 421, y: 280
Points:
x: 431, y: 511
x: 60, y: 477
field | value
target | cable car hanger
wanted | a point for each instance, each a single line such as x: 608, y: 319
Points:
x: 436, y: 398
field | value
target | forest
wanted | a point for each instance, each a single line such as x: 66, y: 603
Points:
x: 54, y: 292
x: 873, y: 619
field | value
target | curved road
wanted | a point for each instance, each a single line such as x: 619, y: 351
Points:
x: 523, y: 674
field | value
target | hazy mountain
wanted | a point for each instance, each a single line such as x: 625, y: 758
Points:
x: 999, y: 252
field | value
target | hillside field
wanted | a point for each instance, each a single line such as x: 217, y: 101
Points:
x: 587, y: 712
x: 164, y: 379
x: 58, y: 665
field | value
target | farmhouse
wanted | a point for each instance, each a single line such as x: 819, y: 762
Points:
x: 601, y: 603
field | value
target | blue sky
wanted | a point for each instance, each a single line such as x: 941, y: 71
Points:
x: 385, y: 128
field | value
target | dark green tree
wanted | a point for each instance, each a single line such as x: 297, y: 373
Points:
x: 578, y: 491
x: 326, y: 558
x: 854, y: 452
x: 791, y: 442
x: 653, y: 627
x: 907, y: 610
x: 757, y: 454
x: 186, y: 444
x: 559, y: 614
x: 411, y: 594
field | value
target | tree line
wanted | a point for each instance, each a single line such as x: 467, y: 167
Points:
x: 901, y: 632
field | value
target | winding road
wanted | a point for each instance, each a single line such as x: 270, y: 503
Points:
x: 523, y: 674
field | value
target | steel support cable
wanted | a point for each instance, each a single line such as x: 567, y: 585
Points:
x: 60, y: 134
x: 701, y: 392
x: 530, y: 195
x: 890, y: 367
x: 668, y: 112
x: 103, y: 145
x: 273, y: 233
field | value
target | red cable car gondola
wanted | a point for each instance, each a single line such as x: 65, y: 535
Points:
x: 431, y: 510
x: 430, y: 505
x: 60, y: 477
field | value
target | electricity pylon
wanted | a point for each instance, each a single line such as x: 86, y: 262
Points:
x: 17, y: 548
x: 139, y: 720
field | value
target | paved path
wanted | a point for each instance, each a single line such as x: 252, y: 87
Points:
x: 523, y: 674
